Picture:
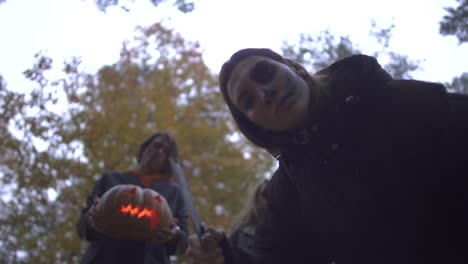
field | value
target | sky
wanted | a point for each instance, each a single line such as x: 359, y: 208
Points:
x: 68, y: 28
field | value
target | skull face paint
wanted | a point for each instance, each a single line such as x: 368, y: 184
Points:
x: 269, y: 93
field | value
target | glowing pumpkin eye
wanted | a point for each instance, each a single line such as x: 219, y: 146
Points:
x: 157, y: 198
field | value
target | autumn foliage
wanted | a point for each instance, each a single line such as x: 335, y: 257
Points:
x: 76, y: 125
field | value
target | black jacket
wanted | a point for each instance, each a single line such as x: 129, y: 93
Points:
x: 381, y: 177
x: 243, y: 236
x: 103, y: 249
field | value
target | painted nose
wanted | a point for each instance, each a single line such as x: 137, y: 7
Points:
x: 267, y: 94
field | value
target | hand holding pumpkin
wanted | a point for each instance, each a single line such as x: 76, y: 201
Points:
x: 132, y: 212
x: 168, y: 233
x: 91, y: 218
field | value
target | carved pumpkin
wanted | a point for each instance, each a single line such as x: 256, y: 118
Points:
x: 131, y: 212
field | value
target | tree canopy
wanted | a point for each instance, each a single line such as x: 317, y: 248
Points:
x: 316, y: 52
x: 456, y: 22
x: 159, y: 83
x: 459, y: 84
x: 184, y: 6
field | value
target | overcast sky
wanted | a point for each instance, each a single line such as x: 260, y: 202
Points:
x: 67, y: 28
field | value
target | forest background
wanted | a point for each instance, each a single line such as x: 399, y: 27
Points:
x: 70, y: 117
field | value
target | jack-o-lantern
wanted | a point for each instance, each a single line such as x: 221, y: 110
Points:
x: 131, y: 212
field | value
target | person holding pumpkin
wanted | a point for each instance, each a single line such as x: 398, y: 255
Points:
x: 137, y: 216
x: 371, y: 169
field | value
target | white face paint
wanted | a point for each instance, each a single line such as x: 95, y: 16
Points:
x: 269, y: 93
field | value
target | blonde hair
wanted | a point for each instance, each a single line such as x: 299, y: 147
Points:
x: 254, y: 210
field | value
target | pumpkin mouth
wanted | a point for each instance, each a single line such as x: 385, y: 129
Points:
x: 131, y: 212
x: 152, y: 214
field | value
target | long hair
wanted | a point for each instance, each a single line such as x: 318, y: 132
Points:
x: 255, y: 208
x: 173, y: 150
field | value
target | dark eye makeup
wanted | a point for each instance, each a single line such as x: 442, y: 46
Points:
x: 263, y: 72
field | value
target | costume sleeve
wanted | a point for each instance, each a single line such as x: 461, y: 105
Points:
x: 180, y: 244
x: 455, y: 158
x: 279, y: 239
x: 275, y: 239
x: 84, y: 231
x: 234, y: 237
x: 456, y: 136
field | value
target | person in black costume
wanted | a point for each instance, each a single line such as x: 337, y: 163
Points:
x: 155, y: 173
x: 371, y: 169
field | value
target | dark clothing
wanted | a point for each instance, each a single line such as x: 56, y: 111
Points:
x: 243, y: 237
x: 103, y: 249
x: 380, y: 177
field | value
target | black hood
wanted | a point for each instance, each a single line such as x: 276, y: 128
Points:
x: 355, y: 68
